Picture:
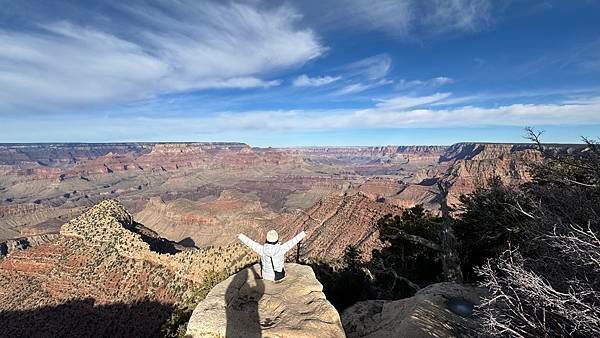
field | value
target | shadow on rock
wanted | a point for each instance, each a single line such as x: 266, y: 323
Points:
x: 242, y: 298
x: 82, y: 318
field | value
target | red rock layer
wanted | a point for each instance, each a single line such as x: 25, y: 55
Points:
x: 378, y: 187
x: 99, y: 268
x: 336, y: 222
x: 473, y: 165
x: 70, y: 160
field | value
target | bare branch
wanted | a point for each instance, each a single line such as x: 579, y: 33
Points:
x: 416, y: 239
x: 521, y: 303
x: 581, y: 184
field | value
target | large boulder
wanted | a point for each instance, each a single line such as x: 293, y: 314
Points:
x: 245, y: 305
x: 439, y: 310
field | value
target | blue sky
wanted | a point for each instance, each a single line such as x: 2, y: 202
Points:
x: 285, y: 73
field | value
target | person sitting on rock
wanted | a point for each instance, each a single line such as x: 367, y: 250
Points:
x: 272, y: 254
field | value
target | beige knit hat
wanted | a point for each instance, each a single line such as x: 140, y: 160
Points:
x: 272, y: 236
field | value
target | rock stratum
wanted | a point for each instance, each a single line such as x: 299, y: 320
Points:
x: 103, y: 266
x: 204, y: 194
x: 101, y: 277
x: 247, y: 306
x: 335, y: 222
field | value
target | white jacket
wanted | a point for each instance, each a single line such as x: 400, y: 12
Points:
x: 272, y: 255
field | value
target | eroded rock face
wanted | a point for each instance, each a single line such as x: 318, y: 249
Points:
x: 9, y: 246
x: 216, y: 222
x: 474, y: 164
x: 209, y: 192
x: 424, y: 315
x: 100, y: 276
x: 245, y: 305
x: 336, y: 222
x: 187, y: 176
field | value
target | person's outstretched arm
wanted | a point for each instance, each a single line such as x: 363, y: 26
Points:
x: 251, y: 244
x: 290, y: 244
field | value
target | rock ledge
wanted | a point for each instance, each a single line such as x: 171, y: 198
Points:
x: 245, y: 305
x: 425, y: 315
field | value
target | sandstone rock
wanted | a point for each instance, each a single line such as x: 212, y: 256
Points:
x: 22, y: 243
x: 215, y: 222
x: 377, y: 187
x: 413, y: 194
x: 474, y: 164
x: 336, y: 222
x: 57, y: 181
x: 245, y: 305
x: 104, y: 275
x: 366, y: 155
x: 423, y: 315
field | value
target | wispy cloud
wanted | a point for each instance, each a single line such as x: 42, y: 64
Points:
x: 458, y: 15
x: 186, y: 46
x: 398, y: 112
x: 364, y: 74
x: 580, y: 57
x: 409, y: 18
x: 479, y: 61
x: 414, y: 112
x: 469, y: 116
x: 306, y: 81
x: 237, y: 82
x: 354, y: 88
x: 417, y: 112
x: 423, y: 84
x: 403, y: 102
x: 371, y: 68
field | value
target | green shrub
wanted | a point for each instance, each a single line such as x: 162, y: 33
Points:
x: 404, y: 260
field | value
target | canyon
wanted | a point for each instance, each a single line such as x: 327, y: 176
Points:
x: 126, y: 232
x: 103, y: 273
x: 204, y: 194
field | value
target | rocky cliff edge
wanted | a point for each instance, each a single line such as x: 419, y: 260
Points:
x: 438, y: 310
x: 245, y: 305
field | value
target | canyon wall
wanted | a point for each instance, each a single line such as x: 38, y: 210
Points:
x: 208, y: 192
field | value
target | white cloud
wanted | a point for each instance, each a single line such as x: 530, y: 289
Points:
x: 386, y: 15
x: 509, y: 115
x: 423, y: 84
x: 352, y: 89
x: 404, y: 112
x: 371, y: 68
x: 237, y: 82
x: 306, y: 81
x: 403, y: 102
x: 400, y: 112
x: 358, y: 87
x: 442, y: 80
x: 186, y: 46
x: 365, y: 74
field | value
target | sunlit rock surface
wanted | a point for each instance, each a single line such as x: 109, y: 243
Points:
x: 245, y: 305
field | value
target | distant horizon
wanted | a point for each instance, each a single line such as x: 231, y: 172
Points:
x: 283, y: 147
x: 373, y: 138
